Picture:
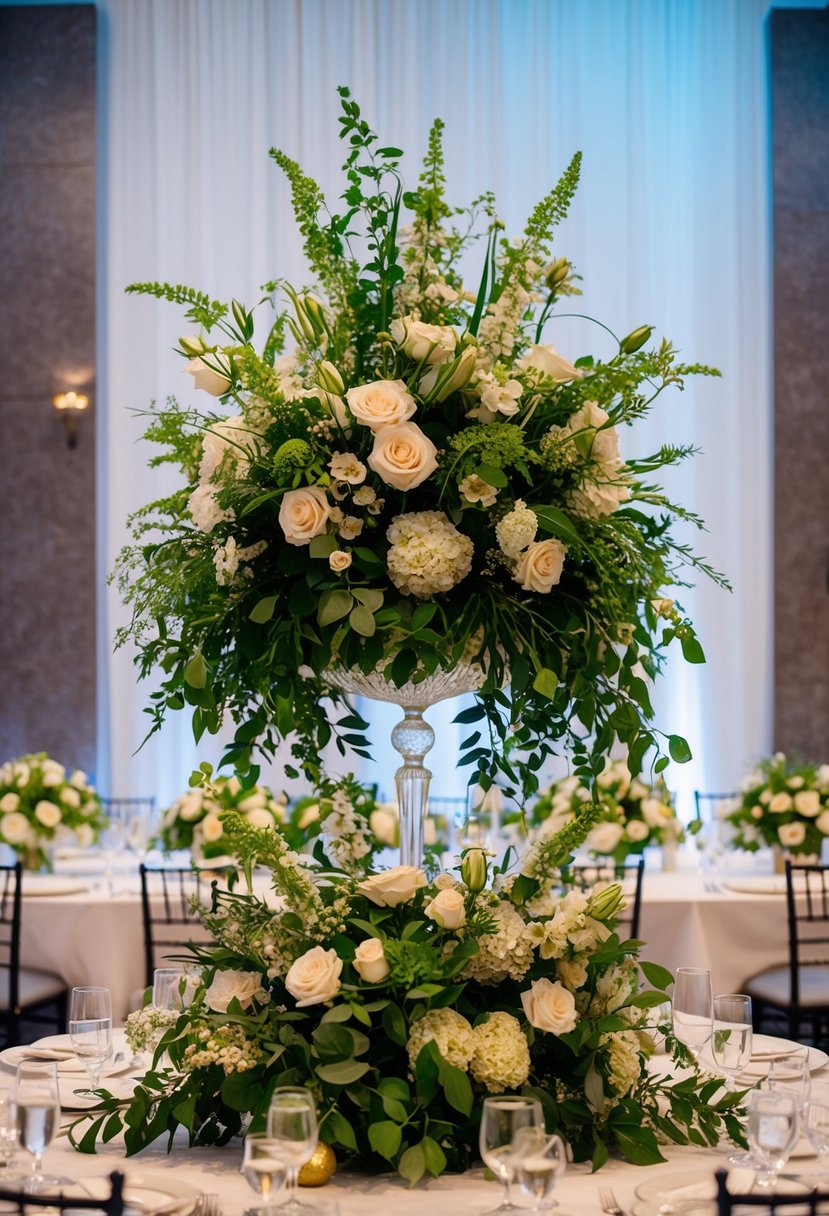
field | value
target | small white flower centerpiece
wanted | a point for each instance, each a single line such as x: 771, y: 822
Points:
x: 41, y: 806
x: 783, y: 803
x: 194, y: 821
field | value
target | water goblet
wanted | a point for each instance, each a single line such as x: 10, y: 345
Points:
x: 791, y: 1075
x: 170, y: 989
x: 501, y: 1121
x: 112, y: 841
x: 693, y: 1008
x: 732, y: 1035
x: 263, y: 1170
x: 773, y: 1129
x: 292, y: 1130
x: 36, y: 1100
x: 90, y: 1029
x: 816, y: 1127
x: 541, y: 1161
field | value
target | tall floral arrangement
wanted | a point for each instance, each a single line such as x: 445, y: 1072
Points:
x: 782, y: 802
x: 421, y: 478
x: 42, y: 805
x: 402, y: 1002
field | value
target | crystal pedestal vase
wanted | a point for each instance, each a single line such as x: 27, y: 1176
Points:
x: 412, y: 737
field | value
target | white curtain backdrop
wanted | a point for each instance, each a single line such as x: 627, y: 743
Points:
x: 668, y: 99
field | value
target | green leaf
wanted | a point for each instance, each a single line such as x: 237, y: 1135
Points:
x: 322, y: 545
x: 412, y: 1164
x: 341, y: 1129
x: 434, y: 1156
x: 679, y: 749
x: 394, y: 1109
x: 456, y: 1086
x: 372, y: 599
x: 492, y: 476
x: 660, y: 977
x: 195, y: 673
x: 546, y: 682
x: 361, y: 620
x: 394, y: 1024
x: 551, y: 519
x: 395, y: 1087
x: 263, y: 611
x: 333, y: 606
x: 346, y: 1072
x: 594, y: 1088
x: 385, y: 1138
x: 692, y: 651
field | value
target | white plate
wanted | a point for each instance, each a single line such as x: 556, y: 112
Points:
x: 51, y: 884
x: 68, y: 1064
x: 766, y: 1047
x: 765, y: 884
x: 150, y: 1193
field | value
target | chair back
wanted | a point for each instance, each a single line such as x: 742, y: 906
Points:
x: 807, y: 897
x: 801, y: 1203
x: 170, y: 923
x: 703, y: 801
x: 23, y: 1201
x: 11, y: 881
x: 628, y: 873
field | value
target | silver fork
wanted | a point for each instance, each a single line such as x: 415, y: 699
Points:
x: 609, y: 1202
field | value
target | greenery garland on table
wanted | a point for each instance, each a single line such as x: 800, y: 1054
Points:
x: 422, y: 480
x: 403, y: 1002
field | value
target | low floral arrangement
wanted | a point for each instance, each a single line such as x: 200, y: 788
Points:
x: 423, y: 479
x: 782, y: 803
x: 403, y: 1002
x: 634, y: 814
x: 195, y: 820
x: 40, y: 807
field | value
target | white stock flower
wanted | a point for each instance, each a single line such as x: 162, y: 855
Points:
x: 550, y: 1006
x: 427, y: 553
x: 364, y: 496
x: 210, y: 372
x: 516, y: 531
x: 14, y: 828
x: 604, y: 837
x: 434, y: 343
x: 392, y: 887
x: 475, y: 489
x: 226, y: 986
x: 345, y: 466
x: 402, y: 455
x: 599, y: 441
x: 497, y: 399
x: 314, y: 977
x: 48, y: 814
x: 381, y: 403
x: 792, y: 834
x: 572, y: 972
x: 304, y: 514
x: 447, y: 909
x: 22, y: 774
x: 205, y: 510
x: 546, y: 361
x: 350, y: 527
x: 370, y: 961
x: 539, y: 567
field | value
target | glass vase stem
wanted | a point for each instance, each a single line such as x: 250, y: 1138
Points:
x: 413, y: 737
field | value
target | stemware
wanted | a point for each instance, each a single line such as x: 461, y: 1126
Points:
x: 816, y: 1127
x: 791, y: 1075
x: 693, y: 1008
x: 170, y: 989
x: 292, y: 1131
x: 36, y: 1099
x: 90, y: 1029
x: 773, y: 1129
x: 501, y: 1121
x: 112, y: 842
x: 541, y: 1161
x: 139, y: 831
x: 263, y: 1170
x: 732, y: 1035
x: 8, y: 1134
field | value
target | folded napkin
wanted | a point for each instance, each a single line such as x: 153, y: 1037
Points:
x: 739, y: 1182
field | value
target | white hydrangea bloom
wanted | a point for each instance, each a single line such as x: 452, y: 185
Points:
x: 516, y: 531
x: 428, y: 555
x: 507, y: 953
x: 500, y: 1055
x: 205, y: 510
x: 450, y: 1031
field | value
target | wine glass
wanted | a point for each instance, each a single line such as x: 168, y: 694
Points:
x: 292, y: 1131
x: 502, y: 1119
x: 773, y: 1129
x: 816, y: 1127
x: 790, y: 1075
x: 693, y: 1008
x: 90, y: 1029
x: 139, y: 831
x: 262, y: 1168
x: 37, y: 1101
x: 8, y: 1133
x: 170, y: 989
x: 732, y: 1035
x: 541, y: 1161
x: 112, y: 840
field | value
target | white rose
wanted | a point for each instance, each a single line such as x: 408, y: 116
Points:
x: 210, y: 372
x: 599, y: 441
x: 765, y: 797
x: 550, y: 1006
x: 260, y: 818
x: 15, y: 828
x: 655, y: 813
x: 403, y: 456
x: 383, y: 403
x: 53, y: 773
x: 227, y: 985
x: 796, y: 783
x: 445, y: 881
x: 211, y: 828
x: 190, y: 805
x: 304, y: 514
x: 539, y: 568
x: 572, y: 972
x: 253, y: 800
x: 370, y: 961
x: 792, y: 834
x: 339, y: 560
x: 9, y: 802
x: 822, y: 823
x: 447, y: 908
x: 823, y: 776
x: 84, y: 835
x: 386, y: 826
x: 434, y: 343
x: 48, y: 814
x: 636, y: 830
x: 79, y: 780
x: 781, y: 802
x: 70, y: 797
x: 392, y: 887
x: 604, y: 837
x: 22, y: 773
x: 547, y: 361
x: 314, y: 977
x: 807, y: 802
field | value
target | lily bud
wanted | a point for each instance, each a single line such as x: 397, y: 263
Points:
x: 192, y: 346
x: 474, y: 869
x: 315, y: 313
x: 606, y: 903
x: 636, y: 340
x: 304, y: 321
x: 240, y: 316
x: 440, y: 382
x: 557, y: 273
x: 330, y: 379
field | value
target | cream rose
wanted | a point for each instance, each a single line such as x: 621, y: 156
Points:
x: 385, y: 825
x: 310, y: 815
x: 383, y: 403
x: 314, y: 977
x: 9, y: 802
x: 604, y: 837
x: 14, y: 828
x: 547, y: 361
x: 211, y: 828
x: 539, y: 568
x: 190, y: 805
x: 229, y: 985
x: 260, y: 818
x: 655, y: 813
x: 48, y: 814
x: 550, y: 1006
x: 572, y: 972
x: 253, y: 800
x: 392, y: 887
x: 434, y: 343
x: 339, y: 560
x: 807, y: 802
x: 636, y: 830
x: 70, y: 797
x: 792, y: 834
x: 822, y: 823
x: 304, y: 514
x: 52, y: 773
x: 447, y: 908
x: 78, y: 779
x: 403, y: 456
x: 210, y: 372
x: 780, y: 803
x: 370, y: 961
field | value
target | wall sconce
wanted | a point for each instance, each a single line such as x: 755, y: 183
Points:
x: 70, y: 406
